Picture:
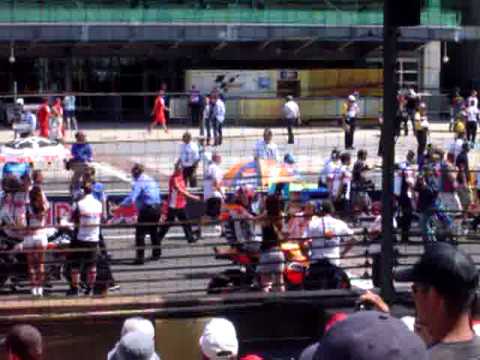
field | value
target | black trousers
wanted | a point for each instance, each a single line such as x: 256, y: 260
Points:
x: 217, y: 132
x: 181, y: 216
x: 148, y: 214
x: 290, y: 124
x: 196, y: 115
x: 421, y: 141
x: 471, y: 131
x: 406, y: 217
x: 350, y: 132
x: 189, y: 175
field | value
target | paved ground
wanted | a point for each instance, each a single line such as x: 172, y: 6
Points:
x: 185, y: 268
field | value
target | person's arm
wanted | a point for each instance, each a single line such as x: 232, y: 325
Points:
x: 134, y: 194
x: 88, y: 152
x: 177, y: 186
x: 349, y: 243
x: 373, y: 299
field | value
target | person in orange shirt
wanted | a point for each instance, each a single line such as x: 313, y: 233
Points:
x: 43, y: 116
x: 158, y: 112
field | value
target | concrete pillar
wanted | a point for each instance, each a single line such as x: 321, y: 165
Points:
x: 431, y: 66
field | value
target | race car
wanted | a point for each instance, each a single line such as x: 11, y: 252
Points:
x: 41, y: 152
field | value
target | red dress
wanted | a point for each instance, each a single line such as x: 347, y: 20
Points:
x: 159, y: 111
x: 43, y: 119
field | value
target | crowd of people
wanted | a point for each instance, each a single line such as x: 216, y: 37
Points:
x: 51, y: 121
x: 444, y: 284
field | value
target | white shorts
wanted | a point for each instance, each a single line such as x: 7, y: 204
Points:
x: 35, y: 241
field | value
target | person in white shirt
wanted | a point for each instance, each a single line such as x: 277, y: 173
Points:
x: 69, y: 111
x: 212, y: 187
x: 331, y: 240
x: 472, y: 119
x: 328, y: 170
x: 473, y: 99
x: 189, y: 159
x: 404, y: 182
x: 455, y: 147
x: 342, y: 184
x: 205, y: 115
x: 266, y: 149
x: 291, y: 114
x: 87, y: 215
x: 217, y: 114
x: 350, y: 120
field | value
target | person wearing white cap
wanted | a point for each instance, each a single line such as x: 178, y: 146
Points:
x: 132, y: 325
x: 25, y: 122
x: 351, y: 110
x: 135, y: 345
x: 219, y: 340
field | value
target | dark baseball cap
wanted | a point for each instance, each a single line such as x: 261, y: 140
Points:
x: 445, y: 267
x: 370, y: 335
x: 25, y: 341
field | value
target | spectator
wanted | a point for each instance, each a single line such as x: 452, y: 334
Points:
x: 291, y: 115
x: 205, y: 124
x: 24, y: 342
x: 427, y: 204
x: 421, y: 131
x: 370, y: 335
x: 134, y: 345
x: 412, y: 104
x: 456, y: 107
x: 455, y: 148
x: 87, y: 215
x: 26, y: 123
x: 445, y: 281
x: 327, y: 234
x: 57, y: 131
x: 266, y: 149
x: 82, y: 156
x: 462, y: 160
x: 195, y: 104
x: 159, y: 112
x: 134, y: 324
x: 472, y: 122
x: 473, y: 99
x: 217, y: 118
x: 43, y: 116
x: 404, y: 192
x: 219, y: 340
x: 448, y: 196
x: 36, y: 240
x: 342, y: 184
x: 272, y: 260
x: 401, y: 118
x: 212, y: 187
x: 176, y: 203
x: 361, y: 184
x: 189, y: 159
x: 328, y: 170
x: 350, y: 121
x: 145, y: 195
x: 69, y: 107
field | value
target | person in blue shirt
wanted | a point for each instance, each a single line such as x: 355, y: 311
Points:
x: 82, y: 155
x: 145, y: 195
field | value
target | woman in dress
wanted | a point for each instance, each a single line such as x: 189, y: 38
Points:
x: 158, y: 112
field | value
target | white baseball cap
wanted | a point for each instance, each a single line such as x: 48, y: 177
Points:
x: 219, y: 340
x: 20, y: 101
x: 138, y: 324
x: 351, y: 98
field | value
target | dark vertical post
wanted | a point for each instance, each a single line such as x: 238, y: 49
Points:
x: 389, y: 110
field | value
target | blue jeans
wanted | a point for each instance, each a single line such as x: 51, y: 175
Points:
x: 426, y: 225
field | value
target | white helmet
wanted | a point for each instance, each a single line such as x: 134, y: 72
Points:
x: 351, y: 98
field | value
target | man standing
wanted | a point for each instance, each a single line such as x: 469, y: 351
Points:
x: 350, y: 121
x: 472, y: 119
x: 455, y: 108
x: 82, y: 156
x: 69, y: 107
x: 266, y: 149
x: 177, y: 202
x: 189, y: 159
x: 421, y: 127
x: 217, y: 115
x: 43, y: 116
x: 195, y: 104
x: 87, y: 215
x: 212, y: 187
x: 403, y: 190
x: 145, y: 195
x: 291, y: 115
x: 342, y: 184
x: 445, y: 281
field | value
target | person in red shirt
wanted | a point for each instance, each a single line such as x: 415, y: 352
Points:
x: 158, y: 112
x: 43, y: 116
x: 176, y: 203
